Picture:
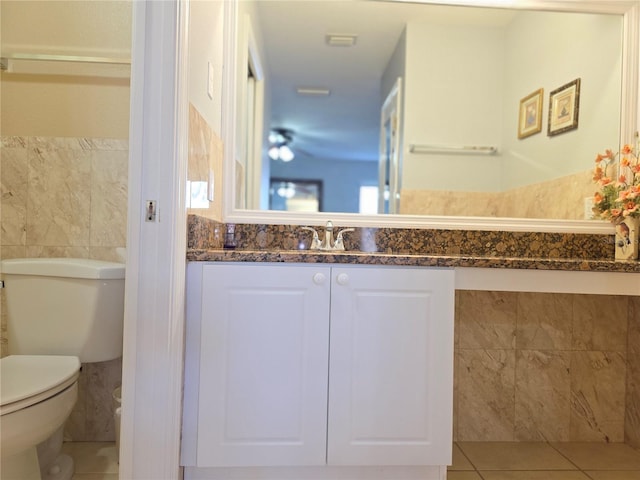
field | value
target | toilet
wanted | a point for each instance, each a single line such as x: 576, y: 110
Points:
x: 61, y: 312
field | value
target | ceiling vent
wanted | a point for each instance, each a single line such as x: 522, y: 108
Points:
x: 341, y: 39
x: 313, y: 91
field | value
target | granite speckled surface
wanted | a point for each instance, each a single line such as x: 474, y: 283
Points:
x: 410, y: 247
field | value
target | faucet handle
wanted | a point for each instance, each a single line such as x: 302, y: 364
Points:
x: 339, y: 244
x: 315, y: 241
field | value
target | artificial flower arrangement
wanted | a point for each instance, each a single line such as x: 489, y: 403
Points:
x: 618, y: 198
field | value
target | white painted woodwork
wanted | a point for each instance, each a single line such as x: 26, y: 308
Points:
x: 547, y: 281
x: 263, y: 365
x: 318, y: 473
x: 153, y: 348
x: 260, y: 358
x: 391, y: 367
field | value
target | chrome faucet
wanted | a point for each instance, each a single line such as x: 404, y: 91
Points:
x: 328, y: 243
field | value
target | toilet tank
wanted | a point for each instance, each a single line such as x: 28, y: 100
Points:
x: 64, y: 306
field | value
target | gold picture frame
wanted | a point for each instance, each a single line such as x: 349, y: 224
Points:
x: 564, y: 107
x: 530, y: 116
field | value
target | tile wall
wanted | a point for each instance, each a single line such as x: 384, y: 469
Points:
x: 205, y: 156
x: 540, y: 200
x: 547, y: 367
x: 67, y: 197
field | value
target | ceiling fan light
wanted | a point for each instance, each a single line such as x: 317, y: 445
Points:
x: 287, y: 190
x: 285, y: 153
x: 274, y: 153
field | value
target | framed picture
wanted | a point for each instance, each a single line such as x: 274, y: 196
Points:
x: 564, y: 106
x: 530, y: 117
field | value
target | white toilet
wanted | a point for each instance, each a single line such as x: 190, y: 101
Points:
x: 61, y: 312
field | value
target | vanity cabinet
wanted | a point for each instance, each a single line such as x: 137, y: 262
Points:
x: 318, y: 365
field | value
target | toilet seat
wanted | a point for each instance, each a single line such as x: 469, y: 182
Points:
x: 29, y: 379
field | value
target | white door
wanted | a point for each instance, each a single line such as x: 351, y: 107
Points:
x: 263, y: 365
x: 389, y: 165
x: 391, y: 366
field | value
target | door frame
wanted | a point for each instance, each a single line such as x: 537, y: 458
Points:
x: 156, y: 250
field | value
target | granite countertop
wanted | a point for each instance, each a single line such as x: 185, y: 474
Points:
x: 402, y: 259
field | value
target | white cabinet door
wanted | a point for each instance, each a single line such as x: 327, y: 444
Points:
x: 263, y: 365
x: 391, y: 366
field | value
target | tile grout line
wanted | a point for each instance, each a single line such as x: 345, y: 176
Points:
x: 567, y: 458
x: 475, y: 469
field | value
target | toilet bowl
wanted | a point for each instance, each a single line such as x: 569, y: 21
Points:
x: 37, y: 394
x: 60, y: 312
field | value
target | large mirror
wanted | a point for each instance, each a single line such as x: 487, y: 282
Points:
x: 472, y: 118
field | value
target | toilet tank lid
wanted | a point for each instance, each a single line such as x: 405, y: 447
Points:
x: 63, y: 267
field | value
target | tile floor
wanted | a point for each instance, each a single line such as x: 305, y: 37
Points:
x: 93, y: 460
x: 471, y: 461
x: 544, y: 461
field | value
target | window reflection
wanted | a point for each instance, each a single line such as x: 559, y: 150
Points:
x: 295, y: 195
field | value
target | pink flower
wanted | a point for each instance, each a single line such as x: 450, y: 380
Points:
x: 605, y: 181
x: 627, y: 149
x: 598, y: 173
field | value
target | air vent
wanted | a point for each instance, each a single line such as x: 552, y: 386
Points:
x: 341, y: 39
x: 313, y: 92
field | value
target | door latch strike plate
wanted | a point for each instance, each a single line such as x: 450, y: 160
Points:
x: 151, y: 211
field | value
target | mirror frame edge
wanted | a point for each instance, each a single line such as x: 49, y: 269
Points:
x: 629, y: 125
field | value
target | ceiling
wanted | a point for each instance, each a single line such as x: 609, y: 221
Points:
x: 345, y: 124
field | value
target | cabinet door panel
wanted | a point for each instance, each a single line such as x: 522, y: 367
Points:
x: 391, y: 376
x: 264, y: 366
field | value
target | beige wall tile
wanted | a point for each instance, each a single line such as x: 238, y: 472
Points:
x: 92, y: 416
x: 13, y: 251
x: 456, y: 374
x: 108, y: 254
x: 205, y: 155
x: 600, y: 322
x: 14, y: 174
x: 486, y: 394
x: 109, y: 170
x: 632, y: 410
x: 597, y: 396
x: 40, y: 251
x: 487, y: 319
x: 59, y: 197
x: 544, y: 321
x: 524, y: 202
x: 542, y: 395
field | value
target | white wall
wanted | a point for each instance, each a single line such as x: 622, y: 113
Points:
x: 248, y: 26
x: 446, y: 67
x: 581, y: 47
x: 206, y: 34
x: 65, y: 105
